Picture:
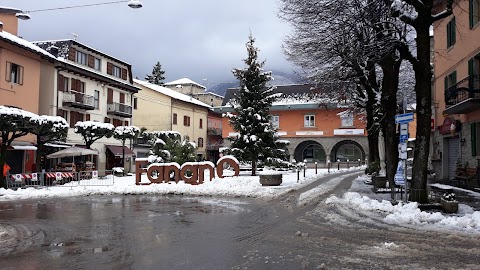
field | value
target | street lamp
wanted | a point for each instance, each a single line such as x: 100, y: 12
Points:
x: 25, y: 15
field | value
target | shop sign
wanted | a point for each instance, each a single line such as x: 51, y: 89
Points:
x: 190, y: 172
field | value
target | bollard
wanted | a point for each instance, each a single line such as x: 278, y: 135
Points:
x: 338, y: 161
x: 359, y: 162
x: 348, y: 164
x: 304, y: 170
x: 298, y: 175
x: 328, y: 166
x: 315, y: 167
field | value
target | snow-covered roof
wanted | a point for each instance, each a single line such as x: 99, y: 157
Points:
x: 66, y: 43
x: 185, y: 81
x: 209, y: 94
x: 25, y: 44
x: 171, y: 93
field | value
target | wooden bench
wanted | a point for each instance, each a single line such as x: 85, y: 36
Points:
x: 466, y: 177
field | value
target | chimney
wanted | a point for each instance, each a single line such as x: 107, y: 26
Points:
x: 54, y: 50
x: 1, y: 26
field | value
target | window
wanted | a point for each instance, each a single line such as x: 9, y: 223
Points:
x: 347, y: 120
x: 62, y: 113
x: 65, y: 83
x: 96, y: 99
x: 201, y: 123
x: 451, y: 33
x: 275, y: 121
x: 14, y: 73
x: 309, y: 121
x: 475, y: 137
x: 200, y: 142
x: 75, y: 117
x: 97, y: 63
x: 116, y: 71
x: 474, y: 12
x: 450, y: 80
x: 135, y: 103
x: 174, y: 119
x: 186, y: 121
x: 81, y: 58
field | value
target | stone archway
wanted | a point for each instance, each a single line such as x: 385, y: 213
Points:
x: 312, y: 151
x: 347, y: 150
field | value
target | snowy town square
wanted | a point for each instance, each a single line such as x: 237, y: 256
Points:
x: 273, y: 134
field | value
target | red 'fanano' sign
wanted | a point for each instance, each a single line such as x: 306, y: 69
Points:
x: 160, y: 172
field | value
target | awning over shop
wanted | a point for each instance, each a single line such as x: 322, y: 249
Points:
x: 116, y: 150
x: 19, y: 145
x: 58, y: 145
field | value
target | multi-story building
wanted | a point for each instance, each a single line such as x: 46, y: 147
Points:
x: 195, y: 90
x: 214, y: 135
x: 162, y: 109
x: 89, y: 85
x: 20, y: 84
x: 456, y: 95
x: 319, y: 130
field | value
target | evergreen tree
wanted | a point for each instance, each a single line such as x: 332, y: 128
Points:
x: 168, y: 146
x: 157, y: 75
x: 256, y: 141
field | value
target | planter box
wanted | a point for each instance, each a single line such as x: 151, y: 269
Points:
x: 271, y: 179
x: 449, y: 206
x: 379, y: 181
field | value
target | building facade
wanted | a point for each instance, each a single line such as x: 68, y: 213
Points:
x: 162, y: 109
x: 89, y: 85
x: 319, y: 130
x: 195, y: 90
x: 21, y: 63
x: 456, y: 94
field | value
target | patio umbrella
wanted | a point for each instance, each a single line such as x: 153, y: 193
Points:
x: 73, y: 152
x: 381, y: 153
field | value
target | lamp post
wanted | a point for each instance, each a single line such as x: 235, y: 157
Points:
x: 25, y: 15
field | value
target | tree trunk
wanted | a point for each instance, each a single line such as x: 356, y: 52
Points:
x: 423, y: 87
x: 391, y: 69
x: 371, y: 129
x: 3, y: 157
x: 254, y: 167
x: 123, y: 156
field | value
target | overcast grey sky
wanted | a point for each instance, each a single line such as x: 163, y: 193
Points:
x: 197, y: 39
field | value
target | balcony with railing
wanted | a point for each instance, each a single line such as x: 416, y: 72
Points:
x: 463, y: 97
x: 120, y: 109
x: 214, y: 131
x: 78, y: 100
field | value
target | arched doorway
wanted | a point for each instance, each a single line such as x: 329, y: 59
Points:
x: 347, y: 150
x: 310, y: 151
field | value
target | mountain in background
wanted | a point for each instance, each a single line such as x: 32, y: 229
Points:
x: 279, y: 78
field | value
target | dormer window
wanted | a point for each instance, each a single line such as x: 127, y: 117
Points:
x: 116, y: 71
x: 81, y: 58
x: 97, y: 64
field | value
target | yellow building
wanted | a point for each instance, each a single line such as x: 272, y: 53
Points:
x: 158, y: 108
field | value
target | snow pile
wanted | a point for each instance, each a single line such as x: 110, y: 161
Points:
x: 410, y: 214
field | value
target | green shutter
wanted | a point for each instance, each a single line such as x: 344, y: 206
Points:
x: 454, y: 77
x: 454, y: 30
x: 473, y: 138
x: 470, y: 12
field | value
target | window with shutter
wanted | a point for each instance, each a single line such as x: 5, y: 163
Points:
x: 451, y: 33
x: 174, y: 121
x: 60, y: 83
x: 87, y: 117
x: 135, y: 104
x: 91, y: 61
x: 109, y: 68
x: 201, y: 123
x: 122, y: 98
x: 74, y: 84
x: 107, y: 120
x: 110, y: 96
x: 473, y: 12
x: 71, y: 54
x: 124, y: 74
x: 72, y: 119
x: 126, y: 123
